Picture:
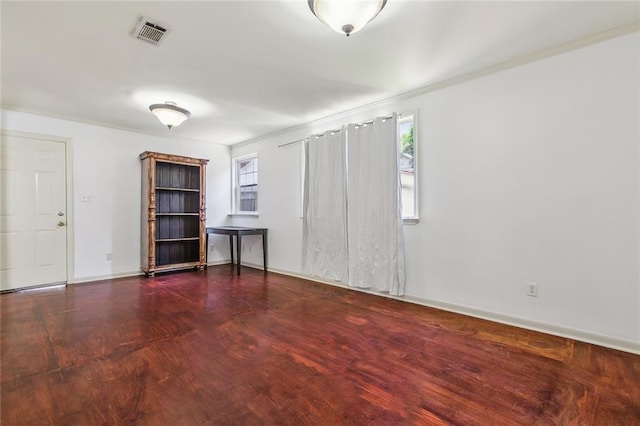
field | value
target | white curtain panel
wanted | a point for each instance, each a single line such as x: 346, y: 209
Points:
x: 324, y: 245
x: 374, y: 219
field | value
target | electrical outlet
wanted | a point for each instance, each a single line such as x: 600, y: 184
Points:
x: 532, y: 289
x: 109, y: 257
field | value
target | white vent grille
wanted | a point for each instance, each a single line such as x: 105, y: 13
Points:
x: 149, y: 32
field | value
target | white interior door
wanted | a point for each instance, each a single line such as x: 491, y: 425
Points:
x: 33, y: 217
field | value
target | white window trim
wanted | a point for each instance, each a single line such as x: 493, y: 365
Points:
x: 415, y: 219
x: 235, y: 186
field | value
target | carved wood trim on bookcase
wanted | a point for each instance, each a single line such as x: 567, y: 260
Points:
x: 203, y: 217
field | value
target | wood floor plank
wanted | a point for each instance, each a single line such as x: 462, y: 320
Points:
x: 24, y: 339
x: 217, y: 348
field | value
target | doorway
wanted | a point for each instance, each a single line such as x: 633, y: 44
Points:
x: 34, y: 210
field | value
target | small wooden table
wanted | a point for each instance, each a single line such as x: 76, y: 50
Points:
x: 239, y: 231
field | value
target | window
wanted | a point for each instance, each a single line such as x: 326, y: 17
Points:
x: 245, y: 182
x: 408, y: 171
x: 407, y: 145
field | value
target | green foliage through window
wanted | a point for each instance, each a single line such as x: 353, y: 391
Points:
x: 406, y: 141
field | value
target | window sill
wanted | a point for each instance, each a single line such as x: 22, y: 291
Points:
x: 410, y: 221
x: 247, y: 214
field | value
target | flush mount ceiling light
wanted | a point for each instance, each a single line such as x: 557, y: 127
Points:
x: 169, y: 114
x: 346, y: 16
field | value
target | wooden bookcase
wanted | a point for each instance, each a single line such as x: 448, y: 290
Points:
x: 173, y: 212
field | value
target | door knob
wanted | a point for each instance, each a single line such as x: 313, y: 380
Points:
x: 60, y: 214
x: 61, y: 223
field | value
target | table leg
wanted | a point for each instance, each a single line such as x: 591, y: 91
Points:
x: 206, y: 249
x: 238, y: 250
x: 264, y: 250
x: 231, y: 248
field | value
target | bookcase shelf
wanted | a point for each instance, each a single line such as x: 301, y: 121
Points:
x: 158, y: 188
x: 173, y: 212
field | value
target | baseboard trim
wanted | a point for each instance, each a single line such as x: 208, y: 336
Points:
x: 84, y: 280
x: 555, y: 330
x: 219, y: 262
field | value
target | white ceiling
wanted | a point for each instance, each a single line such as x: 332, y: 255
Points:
x: 249, y: 68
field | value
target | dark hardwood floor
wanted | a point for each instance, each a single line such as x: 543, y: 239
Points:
x: 214, y: 348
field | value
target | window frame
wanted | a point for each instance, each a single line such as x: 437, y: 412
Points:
x: 235, y: 185
x: 415, y: 218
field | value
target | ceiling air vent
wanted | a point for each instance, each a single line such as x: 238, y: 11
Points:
x: 149, y: 32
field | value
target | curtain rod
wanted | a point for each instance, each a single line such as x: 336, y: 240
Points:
x: 307, y: 138
x: 291, y: 143
x: 373, y: 121
x: 334, y: 131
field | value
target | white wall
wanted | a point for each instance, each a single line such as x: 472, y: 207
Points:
x: 528, y: 174
x: 106, y: 167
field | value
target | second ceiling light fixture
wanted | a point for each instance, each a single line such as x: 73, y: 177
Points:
x: 346, y: 16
